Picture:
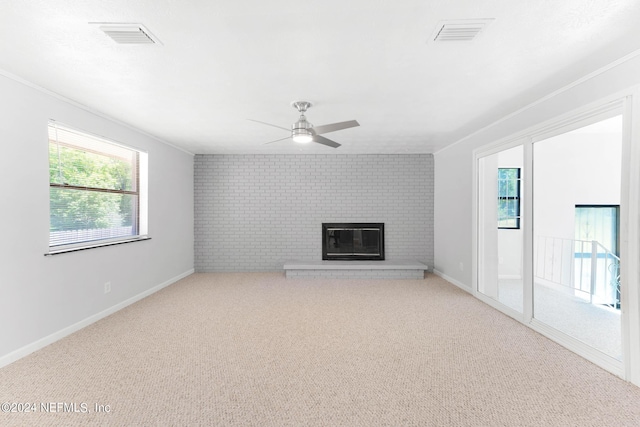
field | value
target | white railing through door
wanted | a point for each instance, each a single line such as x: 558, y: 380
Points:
x: 585, y: 268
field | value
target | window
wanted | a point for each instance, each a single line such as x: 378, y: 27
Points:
x: 509, y: 198
x: 96, y: 191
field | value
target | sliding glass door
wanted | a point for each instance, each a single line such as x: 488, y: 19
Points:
x: 576, y: 198
x: 500, y: 254
x: 557, y: 236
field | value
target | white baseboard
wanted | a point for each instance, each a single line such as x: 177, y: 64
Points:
x: 49, y: 339
x: 452, y: 281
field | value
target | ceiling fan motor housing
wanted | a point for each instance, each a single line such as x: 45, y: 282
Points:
x: 301, y: 130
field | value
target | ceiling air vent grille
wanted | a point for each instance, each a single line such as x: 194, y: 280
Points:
x: 128, y: 33
x: 460, y: 30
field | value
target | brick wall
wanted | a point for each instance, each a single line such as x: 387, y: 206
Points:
x: 254, y: 212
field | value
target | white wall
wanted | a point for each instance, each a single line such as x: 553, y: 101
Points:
x: 576, y: 169
x: 39, y: 295
x: 454, y: 165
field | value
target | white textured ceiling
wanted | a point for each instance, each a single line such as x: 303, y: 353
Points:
x: 223, y: 62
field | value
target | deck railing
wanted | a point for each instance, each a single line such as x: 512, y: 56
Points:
x: 585, y: 268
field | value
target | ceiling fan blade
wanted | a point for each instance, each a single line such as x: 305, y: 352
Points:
x: 324, y: 141
x: 269, y: 124
x: 281, y: 139
x: 334, y: 127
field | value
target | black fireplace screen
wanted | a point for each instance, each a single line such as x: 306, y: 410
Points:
x: 353, y: 241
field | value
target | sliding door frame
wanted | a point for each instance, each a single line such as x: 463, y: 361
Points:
x: 626, y: 103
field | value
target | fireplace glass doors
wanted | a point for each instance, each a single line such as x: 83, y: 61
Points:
x: 353, y: 241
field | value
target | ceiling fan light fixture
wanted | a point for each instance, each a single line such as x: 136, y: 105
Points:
x: 302, y: 136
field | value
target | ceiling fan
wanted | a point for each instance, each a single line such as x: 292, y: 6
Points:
x: 304, y: 132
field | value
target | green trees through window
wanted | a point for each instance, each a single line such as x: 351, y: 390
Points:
x: 93, y: 188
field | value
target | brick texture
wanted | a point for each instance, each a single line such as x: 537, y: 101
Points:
x: 254, y: 212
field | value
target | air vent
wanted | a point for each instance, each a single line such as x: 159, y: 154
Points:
x: 460, y: 30
x: 128, y: 33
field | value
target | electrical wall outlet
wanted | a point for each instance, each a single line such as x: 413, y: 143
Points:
x: 461, y: 266
x: 107, y: 287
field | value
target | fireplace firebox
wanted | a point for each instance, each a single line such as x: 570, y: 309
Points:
x: 353, y: 241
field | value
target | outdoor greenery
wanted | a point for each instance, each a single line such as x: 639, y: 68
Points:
x: 77, y: 209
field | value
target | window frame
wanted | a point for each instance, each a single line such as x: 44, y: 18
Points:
x: 517, y: 197
x: 139, y: 177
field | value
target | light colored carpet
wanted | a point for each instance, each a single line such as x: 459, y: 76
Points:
x: 594, y: 324
x: 256, y: 349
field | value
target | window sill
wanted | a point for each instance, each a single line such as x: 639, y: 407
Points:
x: 95, y: 245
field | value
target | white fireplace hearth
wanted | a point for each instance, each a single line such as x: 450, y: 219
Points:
x: 355, y: 269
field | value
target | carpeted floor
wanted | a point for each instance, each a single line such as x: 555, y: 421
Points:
x: 256, y: 349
